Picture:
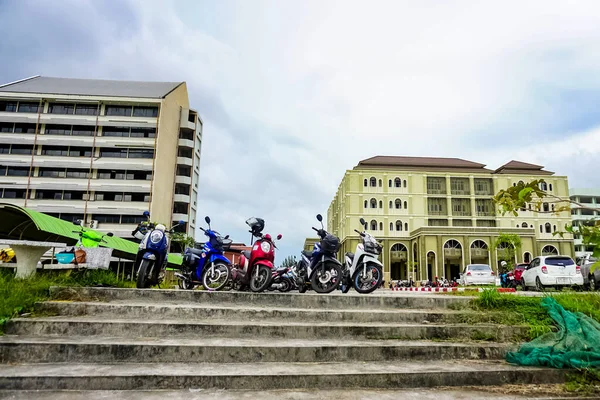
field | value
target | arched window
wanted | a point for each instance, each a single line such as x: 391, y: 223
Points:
x: 527, y: 257
x: 548, y: 227
x: 365, y: 183
x: 406, y: 226
x: 543, y: 186
x: 391, y: 204
x: 399, y: 226
x: 546, y: 207
x: 397, y: 183
x: 391, y: 226
x: 529, y: 206
x: 373, y: 182
x: 366, y: 204
x: 373, y: 225
x: 550, y: 187
x: 373, y: 203
x: 380, y: 183
x: 552, y: 207
x: 405, y: 204
x: 398, y: 203
x: 390, y: 183
x: 524, y: 225
x: 381, y: 226
x: 541, y: 229
x: 479, y: 244
x: 405, y: 183
x: 380, y: 204
x: 549, y: 250
x: 517, y: 225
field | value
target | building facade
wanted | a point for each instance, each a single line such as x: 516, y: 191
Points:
x: 590, y: 198
x: 436, y: 215
x: 100, y: 151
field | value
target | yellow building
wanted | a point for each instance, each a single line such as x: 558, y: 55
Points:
x: 436, y: 215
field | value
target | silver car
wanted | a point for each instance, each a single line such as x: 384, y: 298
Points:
x: 591, y: 279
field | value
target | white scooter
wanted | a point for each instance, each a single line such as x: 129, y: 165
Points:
x: 362, y: 269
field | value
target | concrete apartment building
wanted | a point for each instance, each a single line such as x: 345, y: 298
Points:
x: 589, y: 198
x: 436, y: 215
x: 101, y: 151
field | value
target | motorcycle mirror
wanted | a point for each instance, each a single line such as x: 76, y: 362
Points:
x: 279, y: 236
x: 110, y: 234
x: 362, y: 221
x: 181, y: 222
x: 207, y: 219
x: 319, y: 218
x: 146, y: 214
x: 226, y: 237
x: 77, y: 222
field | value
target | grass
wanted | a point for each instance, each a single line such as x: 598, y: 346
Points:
x: 584, y: 383
x: 18, y: 296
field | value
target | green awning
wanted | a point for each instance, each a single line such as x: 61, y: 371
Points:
x: 24, y: 224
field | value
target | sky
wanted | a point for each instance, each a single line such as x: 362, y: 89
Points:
x: 294, y: 93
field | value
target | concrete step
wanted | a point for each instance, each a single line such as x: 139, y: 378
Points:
x: 471, y: 393
x: 267, y: 376
x: 272, y: 329
x: 376, y: 300
x: 245, y: 312
x: 86, y: 349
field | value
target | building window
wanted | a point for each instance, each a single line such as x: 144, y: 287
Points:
x: 86, y: 109
x: 391, y: 225
x: 397, y: 182
x: 373, y: 182
x: 119, y: 111
x: 391, y: 205
x: 4, y: 148
x: 24, y: 128
x: 486, y: 223
x: 115, y: 131
x: 132, y: 219
x: 48, y: 194
x: 13, y: 193
x: 373, y: 203
x: 184, y: 152
x: 107, y: 218
x: 373, y: 225
x: 406, y: 226
x: 83, y: 131
x: 380, y: 183
x: 365, y: 183
x: 405, y: 205
x: 399, y: 226
x: 80, y: 151
x: 381, y: 226
x: 437, y: 222
x: 182, y: 189
x: 398, y: 204
x: 77, y: 173
x: 17, y: 171
x: 28, y: 107
x: 546, y: 207
x: 21, y: 149
x: 58, y: 129
x: 61, y: 108
x: 554, y: 228
x: 390, y: 183
x: 184, y: 171
x: 147, y: 112
x: 143, y: 132
x: 366, y: 204
x: 524, y: 225
x: 139, y: 153
x: 113, y: 153
x: 6, y: 127
x: 550, y: 187
x: 405, y: 185
x: 52, y: 172
x: 8, y: 106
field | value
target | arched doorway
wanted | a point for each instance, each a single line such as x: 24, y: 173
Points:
x: 527, y: 257
x: 549, y: 250
x: 398, y: 261
x: 431, y: 264
x: 480, y: 252
x: 453, y: 259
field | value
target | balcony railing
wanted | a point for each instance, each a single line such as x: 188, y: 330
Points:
x: 399, y: 255
x: 461, y: 213
x: 452, y: 252
x: 438, y: 212
x: 458, y: 192
x: 486, y: 192
x: 436, y: 191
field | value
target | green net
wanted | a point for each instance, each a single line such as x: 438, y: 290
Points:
x: 576, y: 344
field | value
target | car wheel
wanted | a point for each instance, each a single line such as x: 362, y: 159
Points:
x: 592, y: 284
x: 538, y: 284
x: 523, y: 285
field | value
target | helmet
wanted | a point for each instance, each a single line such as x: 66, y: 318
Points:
x: 256, y: 225
x: 503, y: 263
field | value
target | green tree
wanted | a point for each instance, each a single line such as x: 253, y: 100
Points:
x: 509, y: 244
x: 288, y: 262
x: 524, y: 194
x: 182, y: 240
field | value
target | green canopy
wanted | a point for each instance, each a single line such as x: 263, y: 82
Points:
x: 24, y: 224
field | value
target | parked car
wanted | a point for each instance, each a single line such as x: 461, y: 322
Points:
x: 557, y: 271
x: 591, y: 280
x: 478, y: 274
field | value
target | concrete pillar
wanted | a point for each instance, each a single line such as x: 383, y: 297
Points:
x: 27, y: 259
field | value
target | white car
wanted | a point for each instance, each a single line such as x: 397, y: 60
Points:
x: 478, y: 274
x: 558, y: 271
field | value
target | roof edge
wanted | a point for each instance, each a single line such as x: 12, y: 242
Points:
x: 19, y: 81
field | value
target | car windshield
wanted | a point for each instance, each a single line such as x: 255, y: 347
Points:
x: 559, y: 261
x: 479, y: 268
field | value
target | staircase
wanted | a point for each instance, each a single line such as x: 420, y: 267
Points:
x: 127, y: 339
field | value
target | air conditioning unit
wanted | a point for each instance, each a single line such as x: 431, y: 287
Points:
x: 93, y: 224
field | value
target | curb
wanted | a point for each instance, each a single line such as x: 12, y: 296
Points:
x: 454, y: 289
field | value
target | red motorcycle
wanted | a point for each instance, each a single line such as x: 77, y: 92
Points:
x: 256, y: 266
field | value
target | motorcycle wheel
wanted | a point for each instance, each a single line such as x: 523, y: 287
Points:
x: 372, y: 282
x: 345, y: 283
x: 217, y: 277
x: 327, y: 278
x: 286, y: 286
x: 185, y: 284
x: 142, y: 279
x: 260, y: 280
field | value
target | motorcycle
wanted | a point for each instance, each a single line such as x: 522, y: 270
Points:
x: 282, y: 280
x: 362, y: 269
x: 153, y: 251
x: 207, y: 266
x: 507, y: 280
x: 255, y: 267
x: 88, y: 238
x: 320, y: 269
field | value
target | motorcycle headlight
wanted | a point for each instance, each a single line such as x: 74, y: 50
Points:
x: 156, y: 236
x: 265, y: 247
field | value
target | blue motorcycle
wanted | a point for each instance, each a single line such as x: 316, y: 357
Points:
x: 153, y: 252
x: 207, y: 266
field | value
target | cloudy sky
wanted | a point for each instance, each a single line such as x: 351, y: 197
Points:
x: 293, y: 93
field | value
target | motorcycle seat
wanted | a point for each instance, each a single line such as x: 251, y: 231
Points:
x: 350, y: 255
x: 307, y: 253
x: 246, y: 254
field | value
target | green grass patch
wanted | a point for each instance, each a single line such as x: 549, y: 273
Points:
x: 583, y: 383
x: 18, y: 296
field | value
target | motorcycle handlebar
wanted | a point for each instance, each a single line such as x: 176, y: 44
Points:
x: 359, y: 232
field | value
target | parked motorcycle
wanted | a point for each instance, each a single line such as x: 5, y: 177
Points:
x: 153, y: 252
x: 362, y: 268
x: 89, y: 238
x: 255, y: 267
x: 282, y: 280
x: 507, y: 280
x: 320, y: 269
x: 207, y: 266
